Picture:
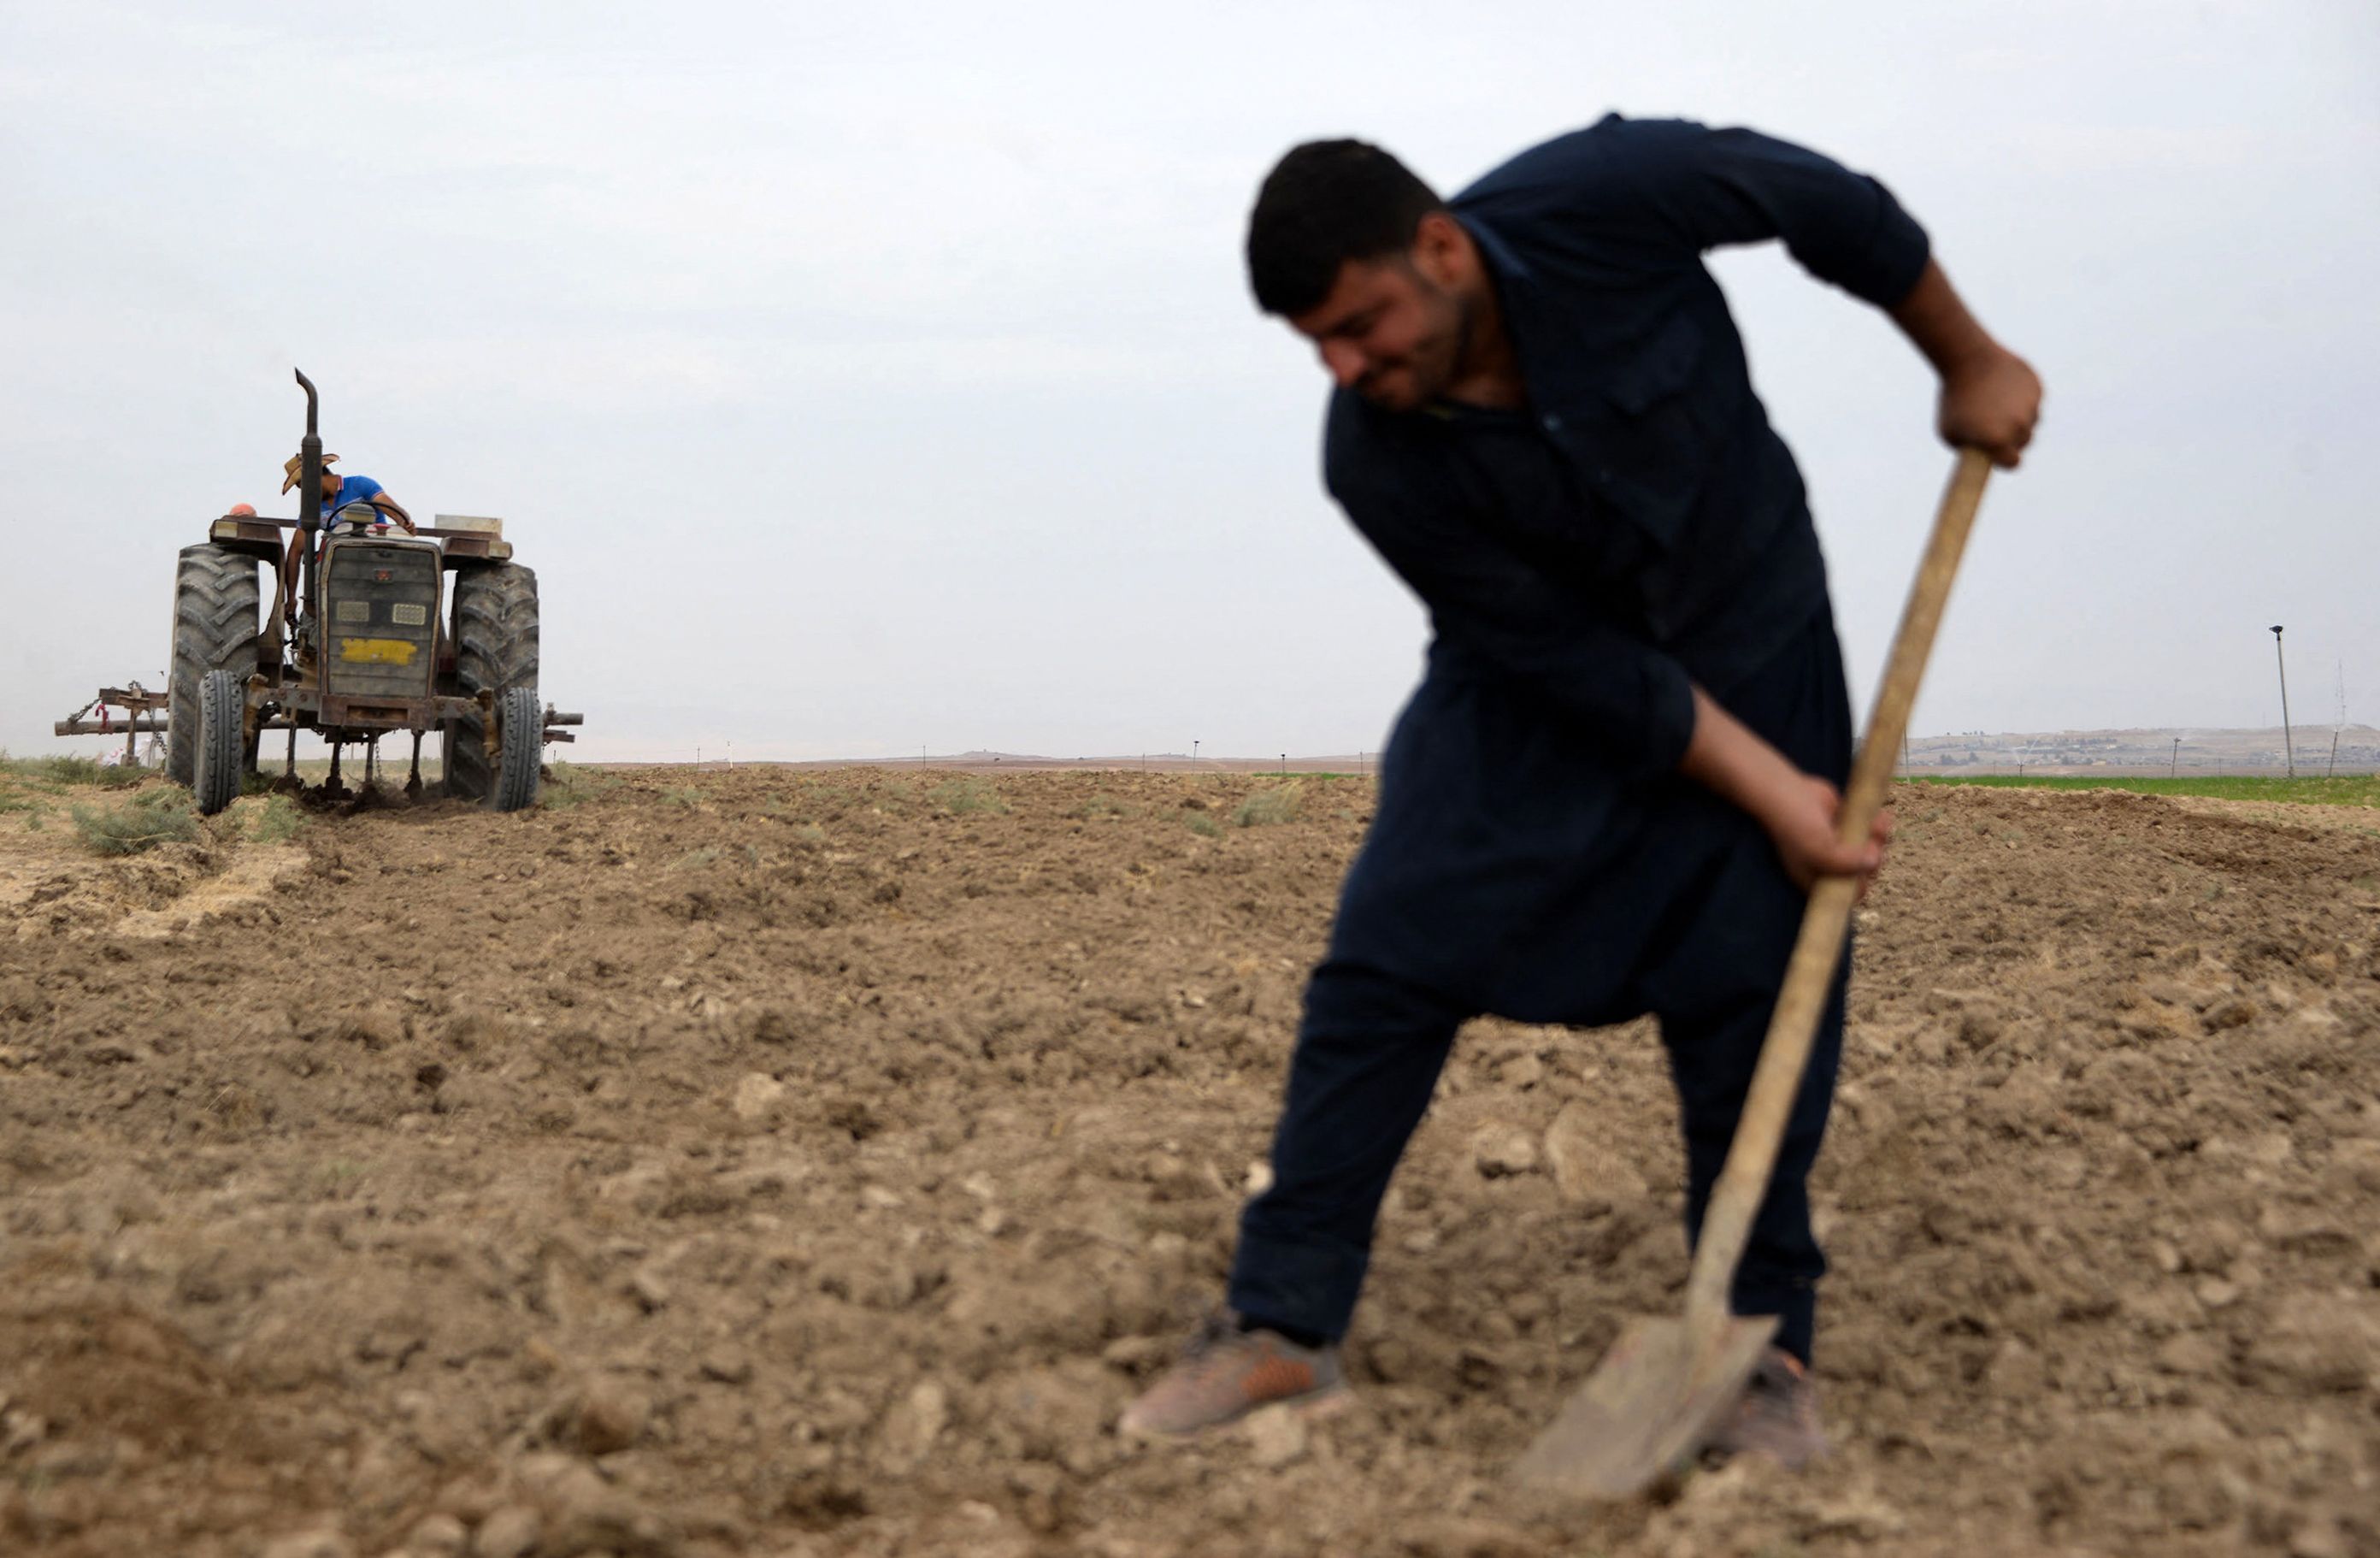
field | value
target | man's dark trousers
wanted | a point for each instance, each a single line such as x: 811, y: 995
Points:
x: 1587, y: 902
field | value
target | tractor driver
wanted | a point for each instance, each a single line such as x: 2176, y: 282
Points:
x: 338, y: 492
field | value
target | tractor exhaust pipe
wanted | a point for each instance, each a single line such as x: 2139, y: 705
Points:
x: 310, y: 492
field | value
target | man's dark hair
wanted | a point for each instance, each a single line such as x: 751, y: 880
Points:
x: 1327, y: 203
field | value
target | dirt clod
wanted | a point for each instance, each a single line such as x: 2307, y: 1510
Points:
x: 510, y: 1532
x: 610, y: 1416
x: 324, y: 1543
x: 1498, y: 1150
x: 756, y: 1097
x: 438, y: 1536
x: 1276, y: 1438
x: 1588, y: 1170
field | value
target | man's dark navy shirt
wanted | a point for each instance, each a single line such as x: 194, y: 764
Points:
x: 1637, y: 525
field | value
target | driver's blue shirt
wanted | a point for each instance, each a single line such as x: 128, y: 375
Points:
x: 352, y: 489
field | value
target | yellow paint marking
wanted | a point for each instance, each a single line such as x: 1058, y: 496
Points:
x: 378, y: 652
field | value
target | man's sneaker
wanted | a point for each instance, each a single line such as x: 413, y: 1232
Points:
x: 1777, y: 1416
x: 1227, y: 1373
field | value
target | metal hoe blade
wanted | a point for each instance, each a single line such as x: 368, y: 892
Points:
x: 1648, y: 1409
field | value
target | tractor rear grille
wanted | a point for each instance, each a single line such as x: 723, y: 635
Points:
x: 380, y: 605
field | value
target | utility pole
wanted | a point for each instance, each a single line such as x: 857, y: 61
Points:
x: 2338, y: 723
x: 2288, y: 749
x: 2175, y: 771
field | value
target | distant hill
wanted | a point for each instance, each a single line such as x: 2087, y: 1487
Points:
x: 2175, y: 749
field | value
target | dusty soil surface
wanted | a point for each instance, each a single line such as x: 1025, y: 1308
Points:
x: 813, y: 1162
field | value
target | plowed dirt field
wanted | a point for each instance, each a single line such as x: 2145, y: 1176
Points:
x: 812, y: 1163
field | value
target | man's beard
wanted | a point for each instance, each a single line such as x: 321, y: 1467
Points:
x: 1437, y: 364
x: 1435, y: 361
x: 1467, y: 328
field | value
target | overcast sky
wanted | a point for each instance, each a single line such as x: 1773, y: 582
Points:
x: 859, y: 378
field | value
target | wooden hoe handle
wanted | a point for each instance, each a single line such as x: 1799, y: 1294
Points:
x: 1785, y: 1053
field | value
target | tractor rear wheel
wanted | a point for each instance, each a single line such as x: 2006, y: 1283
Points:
x: 495, y: 650
x: 222, y: 722
x: 215, y: 606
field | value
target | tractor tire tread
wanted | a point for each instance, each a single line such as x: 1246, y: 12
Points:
x: 522, y: 720
x: 222, y: 726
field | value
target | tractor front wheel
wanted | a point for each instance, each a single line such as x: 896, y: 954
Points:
x: 222, y: 731
x: 521, y: 724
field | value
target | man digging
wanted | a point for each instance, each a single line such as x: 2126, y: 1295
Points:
x: 1620, y: 772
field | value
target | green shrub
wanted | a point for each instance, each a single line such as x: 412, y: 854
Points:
x: 1278, y: 804
x: 166, y: 815
x: 1203, y: 826
x: 965, y: 794
x: 68, y: 769
x: 575, y: 783
x: 280, y: 821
